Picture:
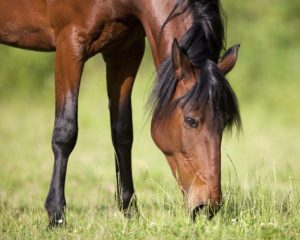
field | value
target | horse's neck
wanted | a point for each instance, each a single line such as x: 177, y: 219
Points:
x: 153, y: 14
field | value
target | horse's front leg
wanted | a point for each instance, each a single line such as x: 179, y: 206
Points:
x: 121, y: 71
x: 68, y: 70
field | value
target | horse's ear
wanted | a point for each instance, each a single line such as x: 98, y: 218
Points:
x: 229, y: 59
x: 181, y: 63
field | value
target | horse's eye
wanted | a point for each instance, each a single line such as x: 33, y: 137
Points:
x: 191, y: 122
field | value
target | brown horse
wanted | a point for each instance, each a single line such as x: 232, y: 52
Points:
x: 192, y: 100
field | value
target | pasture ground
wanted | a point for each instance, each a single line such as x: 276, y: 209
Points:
x: 260, y: 175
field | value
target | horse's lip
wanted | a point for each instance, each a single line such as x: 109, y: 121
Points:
x: 210, y: 211
x: 196, y: 211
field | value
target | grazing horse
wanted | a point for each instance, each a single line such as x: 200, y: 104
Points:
x: 192, y: 102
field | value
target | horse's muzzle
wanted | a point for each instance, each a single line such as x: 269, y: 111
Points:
x: 208, y: 210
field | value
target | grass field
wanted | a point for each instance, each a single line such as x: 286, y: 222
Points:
x: 260, y: 167
x: 261, y: 196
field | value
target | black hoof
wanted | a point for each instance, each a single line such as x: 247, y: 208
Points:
x: 129, y: 208
x: 57, y: 220
x: 127, y: 204
x: 53, y: 224
x: 131, y: 212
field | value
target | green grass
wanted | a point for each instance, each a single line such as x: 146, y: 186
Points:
x: 260, y: 168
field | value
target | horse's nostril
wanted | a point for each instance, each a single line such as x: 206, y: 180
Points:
x: 209, y: 210
x: 196, y: 211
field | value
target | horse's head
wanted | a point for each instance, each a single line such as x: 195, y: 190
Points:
x: 189, y: 130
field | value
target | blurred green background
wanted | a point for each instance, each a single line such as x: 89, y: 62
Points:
x: 266, y: 80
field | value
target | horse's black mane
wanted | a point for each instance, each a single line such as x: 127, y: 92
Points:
x: 203, y: 44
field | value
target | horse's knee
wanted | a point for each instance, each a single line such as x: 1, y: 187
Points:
x: 64, y: 136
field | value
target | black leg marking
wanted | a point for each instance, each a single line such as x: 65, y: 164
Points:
x: 63, y: 141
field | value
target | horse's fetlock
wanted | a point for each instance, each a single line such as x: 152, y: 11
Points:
x: 126, y: 199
